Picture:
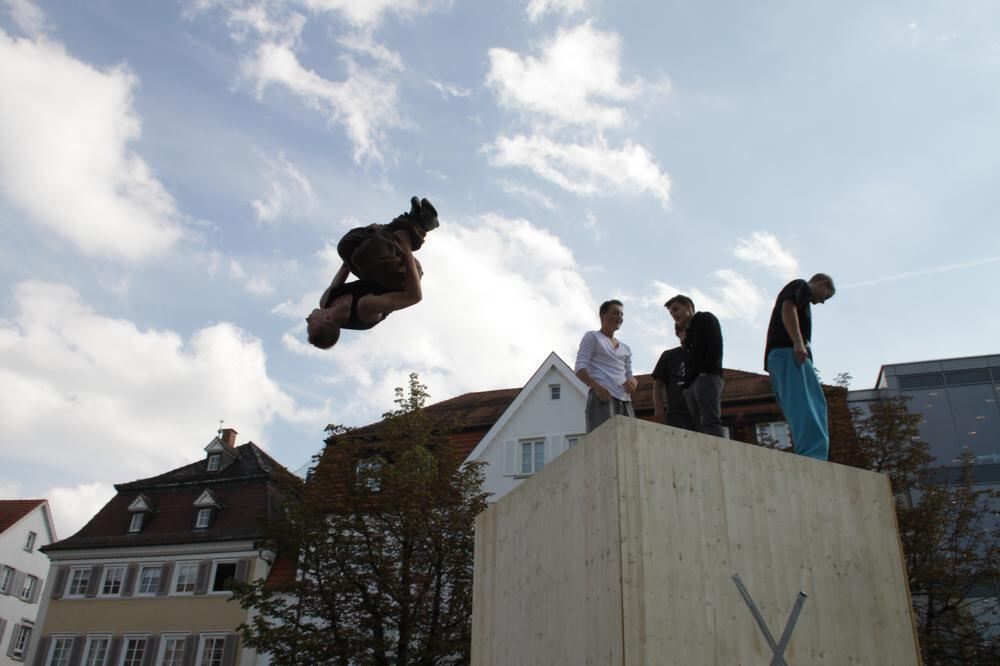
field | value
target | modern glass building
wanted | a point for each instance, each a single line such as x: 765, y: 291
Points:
x: 958, y: 398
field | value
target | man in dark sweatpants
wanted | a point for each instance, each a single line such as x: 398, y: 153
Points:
x: 703, y: 376
x: 788, y: 360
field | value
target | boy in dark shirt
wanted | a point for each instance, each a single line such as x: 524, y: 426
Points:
x: 668, y: 379
x: 788, y: 360
x: 703, y: 376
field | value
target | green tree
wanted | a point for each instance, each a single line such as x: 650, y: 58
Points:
x: 948, y: 533
x: 382, y: 538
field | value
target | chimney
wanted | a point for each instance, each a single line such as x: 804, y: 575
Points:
x: 228, y: 437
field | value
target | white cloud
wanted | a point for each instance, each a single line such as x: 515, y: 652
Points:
x: 72, y: 507
x: 527, y: 194
x: 103, y: 395
x: 593, y: 169
x: 289, y: 191
x: 65, y: 131
x: 365, y: 103
x: 363, y: 42
x: 28, y: 17
x: 449, y: 90
x: 573, y: 82
x: 765, y: 250
x: 499, y: 295
x: 371, y: 12
x: 537, y: 8
x: 732, y: 297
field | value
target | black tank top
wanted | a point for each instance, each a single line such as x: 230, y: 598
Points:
x: 356, y: 290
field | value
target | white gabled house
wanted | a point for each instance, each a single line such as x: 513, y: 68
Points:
x: 545, y: 419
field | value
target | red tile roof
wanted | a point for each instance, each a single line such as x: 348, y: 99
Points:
x: 12, y: 511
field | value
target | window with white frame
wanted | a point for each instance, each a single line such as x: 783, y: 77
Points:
x: 29, y: 545
x: 28, y: 588
x: 133, y: 650
x: 20, y: 640
x: 79, y: 579
x: 774, y: 435
x: 95, y: 652
x: 214, y: 461
x: 171, y: 651
x: 572, y: 440
x: 555, y: 391
x: 203, y: 519
x: 149, y: 579
x: 59, y: 651
x: 186, y: 577
x: 6, y: 577
x: 222, y: 572
x: 135, y: 525
x: 111, y: 586
x: 211, y: 650
x: 532, y: 455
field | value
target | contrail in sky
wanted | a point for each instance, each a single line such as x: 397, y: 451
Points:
x: 925, y: 271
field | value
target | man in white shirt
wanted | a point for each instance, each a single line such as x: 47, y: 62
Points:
x: 604, y: 363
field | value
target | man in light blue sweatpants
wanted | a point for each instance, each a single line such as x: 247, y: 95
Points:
x: 788, y: 360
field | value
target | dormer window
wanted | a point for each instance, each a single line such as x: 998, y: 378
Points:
x: 139, y: 507
x: 214, y: 462
x: 203, y: 519
x: 207, y: 505
x: 135, y: 525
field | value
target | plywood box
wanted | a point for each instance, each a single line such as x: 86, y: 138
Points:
x: 623, y: 550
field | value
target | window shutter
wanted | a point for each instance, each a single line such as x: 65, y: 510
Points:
x: 77, y: 650
x: 113, y: 650
x: 60, y: 583
x: 201, y: 583
x: 36, y: 591
x: 510, y: 457
x: 94, y: 582
x: 41, y: 650
x: 3, y: 625
x: 190, y: 650
x: 165, y: 572
x: 242, y: 570
x: 149, y: 655
x: 128, y: 585
x: 17, y: 583
x: 13, y: 639
x: 229, y: 650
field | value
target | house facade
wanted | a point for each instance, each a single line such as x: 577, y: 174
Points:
x: 25, y: 527
x: 145, y: 581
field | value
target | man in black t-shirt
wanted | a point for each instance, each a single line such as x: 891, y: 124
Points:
x: 668, y: 379
x: 703, y: 375
x: 788, y: 360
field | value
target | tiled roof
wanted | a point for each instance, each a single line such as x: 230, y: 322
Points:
x: 12, y: 511
x: 246, y: 490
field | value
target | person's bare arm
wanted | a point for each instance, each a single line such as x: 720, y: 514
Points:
x: 659, y: 386
x: 790, y: 318
x: 338, y: 281
x: 371, y: 306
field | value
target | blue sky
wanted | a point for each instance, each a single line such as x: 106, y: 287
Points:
x: 174, y: 178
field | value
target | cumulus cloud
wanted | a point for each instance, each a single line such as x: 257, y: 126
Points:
x: 592, y: 169
x: 28, y: 17
x: 575, y: 81
x: 364, y: 103
x: 288, y: 191
x: 764, y: 249
x: 499, y: 295
x: 65, y: 157
x: 73, y: 506
x: 370, y: 13
x: 538, y: 8
x: 527, y: 194
x: 732, y: 297
x: 102, y: 394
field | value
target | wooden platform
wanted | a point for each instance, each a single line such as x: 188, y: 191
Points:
x: 623, y: 551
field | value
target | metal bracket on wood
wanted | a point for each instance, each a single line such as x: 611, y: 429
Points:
x: 777, y: 649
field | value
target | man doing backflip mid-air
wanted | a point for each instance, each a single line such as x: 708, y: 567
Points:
x: 381, y: 256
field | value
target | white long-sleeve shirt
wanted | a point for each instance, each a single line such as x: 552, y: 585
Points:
x: 606, y: 365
